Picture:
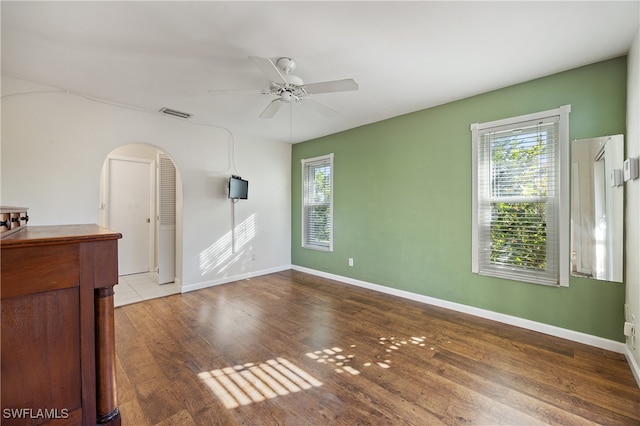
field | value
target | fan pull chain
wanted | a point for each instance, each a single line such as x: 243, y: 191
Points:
x: 291, y: 122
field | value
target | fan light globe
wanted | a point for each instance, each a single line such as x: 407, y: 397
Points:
x: 286, y: 96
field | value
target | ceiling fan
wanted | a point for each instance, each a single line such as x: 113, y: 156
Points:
x: 290, y: 88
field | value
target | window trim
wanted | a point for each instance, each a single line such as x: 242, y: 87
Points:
x: 306, y: 244
x: 563, y: 187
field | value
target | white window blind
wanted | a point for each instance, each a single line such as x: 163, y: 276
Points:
x: 317, y: 200
x: 519, y: 202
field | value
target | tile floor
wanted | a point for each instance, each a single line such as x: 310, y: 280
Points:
x: 138, y: 287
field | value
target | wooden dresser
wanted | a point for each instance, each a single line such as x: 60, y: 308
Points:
x: 58, y: 349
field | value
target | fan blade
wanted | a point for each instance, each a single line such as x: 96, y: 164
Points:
x: 269, y: 69
x: 331, y: 86
x: 271, y: 109
x: 238, y: 92
x: 318, y: 107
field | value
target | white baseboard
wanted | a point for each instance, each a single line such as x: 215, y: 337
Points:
x: 563, y: 333
x: 635, y: 368
x: 205, y: 284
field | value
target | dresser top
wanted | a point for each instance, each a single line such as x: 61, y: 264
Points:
x: 58, y: 234
x: 12, y: 209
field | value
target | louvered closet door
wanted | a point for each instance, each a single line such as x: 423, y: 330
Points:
x: 166, y: 220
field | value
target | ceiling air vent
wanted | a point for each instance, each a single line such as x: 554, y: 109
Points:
x: 175, y: 113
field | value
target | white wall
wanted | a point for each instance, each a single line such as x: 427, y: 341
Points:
x: 632, y: 199
x: 54, y: 145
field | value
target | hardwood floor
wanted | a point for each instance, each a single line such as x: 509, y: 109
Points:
x: 294, y: 349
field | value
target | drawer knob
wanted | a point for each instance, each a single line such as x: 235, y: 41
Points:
x: 22, y: 218
x: 5, y: 223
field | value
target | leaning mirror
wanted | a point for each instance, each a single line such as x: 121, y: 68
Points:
x: 597, y: 208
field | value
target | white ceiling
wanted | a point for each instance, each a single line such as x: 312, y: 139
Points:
x: 406, y: 56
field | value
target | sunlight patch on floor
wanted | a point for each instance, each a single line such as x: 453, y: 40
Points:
x: 343, y: 363
x: 333, y: 356
x: 250, y: 383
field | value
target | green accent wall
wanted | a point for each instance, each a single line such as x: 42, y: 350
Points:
x: 402, y: 200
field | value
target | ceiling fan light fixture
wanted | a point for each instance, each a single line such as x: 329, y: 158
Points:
x: 287, y: 96
x: 289, y: 88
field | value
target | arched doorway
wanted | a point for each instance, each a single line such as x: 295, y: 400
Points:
x: 141, y: 197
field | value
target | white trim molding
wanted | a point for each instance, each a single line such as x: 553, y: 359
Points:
x: 563, y: 200
x: 635, y: 368
x: 206, y: 284
x: 575, y: 336
x: 305, y: 187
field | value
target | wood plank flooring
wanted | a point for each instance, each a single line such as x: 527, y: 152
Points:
x: 294, y: 349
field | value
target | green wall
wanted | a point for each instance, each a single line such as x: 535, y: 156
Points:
x: 402, y: 200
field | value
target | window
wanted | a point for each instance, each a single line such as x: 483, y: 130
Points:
x: 317, y: 203
x: 520, y: 198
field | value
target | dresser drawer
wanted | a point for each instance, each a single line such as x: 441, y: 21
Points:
x: 30, y: 270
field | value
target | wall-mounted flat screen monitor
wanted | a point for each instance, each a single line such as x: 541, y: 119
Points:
x: 238, y: 188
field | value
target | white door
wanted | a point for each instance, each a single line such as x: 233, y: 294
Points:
x: 129, y: 206
x: 166, y: 220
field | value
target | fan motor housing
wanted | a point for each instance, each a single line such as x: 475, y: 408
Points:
x: 286, y: 64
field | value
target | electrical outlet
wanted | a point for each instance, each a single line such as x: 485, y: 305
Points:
x: 253, y: 256
x: 630, y: 328
x: 351, y: 261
